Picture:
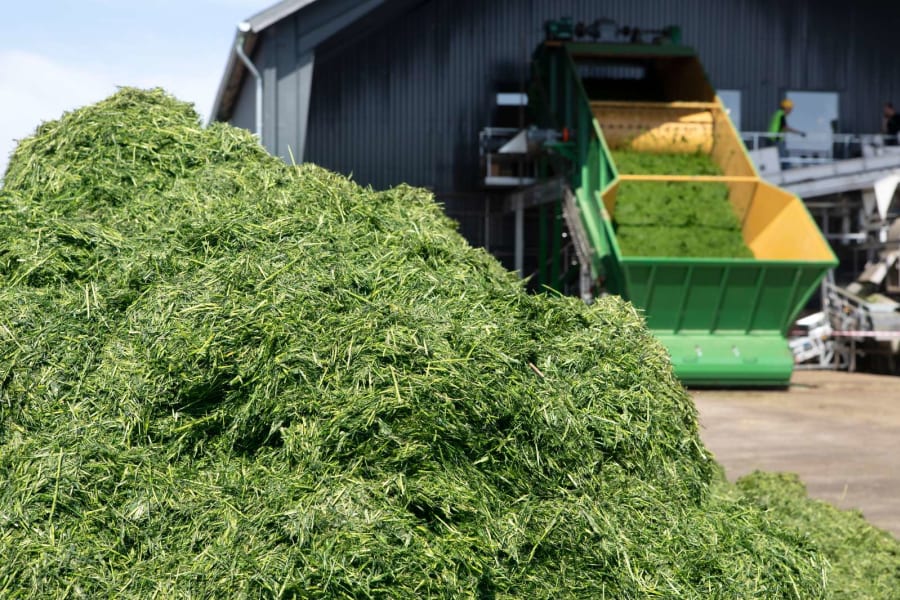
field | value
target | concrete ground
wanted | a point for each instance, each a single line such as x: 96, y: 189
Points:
x: 839, y: 431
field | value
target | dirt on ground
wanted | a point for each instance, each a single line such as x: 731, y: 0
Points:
x: 839, y: 431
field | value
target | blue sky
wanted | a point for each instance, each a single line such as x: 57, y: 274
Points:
x: 56, y: 55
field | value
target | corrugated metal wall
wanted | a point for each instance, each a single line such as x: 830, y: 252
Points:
x: 244, y: 114
x: 405, y: 103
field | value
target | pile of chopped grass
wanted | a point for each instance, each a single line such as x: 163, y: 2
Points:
x: 675, y: 218
x: 224, y: 377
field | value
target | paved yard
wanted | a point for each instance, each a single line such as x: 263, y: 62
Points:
x: 839, y: 431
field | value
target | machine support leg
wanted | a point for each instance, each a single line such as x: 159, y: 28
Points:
x: 520, y: 238
x: 556, y: 247
x: 585, y: 283
x: 487, y: 224
x: 542, y: 246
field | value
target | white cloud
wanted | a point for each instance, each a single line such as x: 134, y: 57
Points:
x: 35, y: 88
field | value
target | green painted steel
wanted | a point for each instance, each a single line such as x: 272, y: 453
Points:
x: 556, y: 271
x: 736, y: 296
x: 730, y: 360
x: 543, y: 266
x: 724, y: 321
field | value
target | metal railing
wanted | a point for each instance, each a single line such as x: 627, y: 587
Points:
x: 821, y: 148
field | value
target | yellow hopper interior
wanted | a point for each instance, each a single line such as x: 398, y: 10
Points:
x: 775, y: 223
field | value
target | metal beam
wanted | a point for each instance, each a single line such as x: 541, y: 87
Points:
x: 535, y: 195
x: 836, y: 185
x: 277, y: 12
x: 583, y: 249
x: 519, y: 253
x: 836, y: 177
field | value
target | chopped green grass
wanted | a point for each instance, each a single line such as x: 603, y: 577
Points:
x: 224, y: 377
x: 675, y: 241
x: 675, y: 218
x: 632, y: 162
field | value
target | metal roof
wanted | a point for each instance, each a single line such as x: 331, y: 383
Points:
x: 273, y: 14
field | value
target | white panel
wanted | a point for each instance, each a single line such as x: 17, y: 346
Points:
x: 512, y: 99
x: 732, y: 101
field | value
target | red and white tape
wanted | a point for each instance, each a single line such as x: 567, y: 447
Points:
x: 866, y: 334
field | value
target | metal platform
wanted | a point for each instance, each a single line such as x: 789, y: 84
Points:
x: 812, y: 177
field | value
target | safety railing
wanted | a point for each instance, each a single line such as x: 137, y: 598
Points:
x: 819, y: 148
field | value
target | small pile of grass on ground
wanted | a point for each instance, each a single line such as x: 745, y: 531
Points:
x: 865, y: 561
x: 224, y: 377
x: 675, y: 218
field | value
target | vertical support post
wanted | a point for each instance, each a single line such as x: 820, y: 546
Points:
x: 519, y: 252
x: 487, y: 223
x: 585, y: 281
x: 553, y: 61
x: 568, y: 98
x: 845, y: 218
x: 542, y: 246
x: 556, y: 246
x: 602, y: 168
x: 582, y: 136
x: 544, y: 258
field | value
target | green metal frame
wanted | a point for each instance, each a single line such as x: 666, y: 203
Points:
x: 724, y: 321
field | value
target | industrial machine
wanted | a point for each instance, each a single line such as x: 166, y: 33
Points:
x: 724, y: 321
x: 863, y: 318
x: 858, y: 327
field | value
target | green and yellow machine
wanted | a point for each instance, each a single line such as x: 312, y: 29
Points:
x: 724, y: 320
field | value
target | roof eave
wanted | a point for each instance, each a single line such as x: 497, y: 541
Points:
x: 273, y: 14
x: 230, y: 85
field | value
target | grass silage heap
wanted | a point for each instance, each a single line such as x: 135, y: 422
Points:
x: 225, y: 377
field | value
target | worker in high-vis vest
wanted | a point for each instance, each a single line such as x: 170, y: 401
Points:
x: 778, y: 126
